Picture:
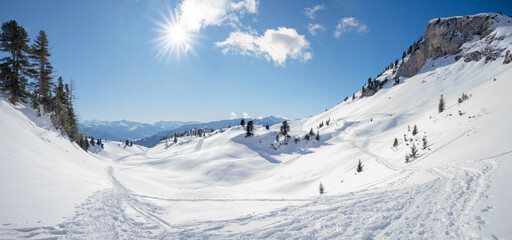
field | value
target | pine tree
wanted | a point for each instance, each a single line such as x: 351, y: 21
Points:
x: 277, y: 138
x: 311, y: 132
x: 441, y: 104
x: 321, y: 189
x: 267, y: 127
x: 175, y: 139
x: 414, y: 151
x: 359, y: 166
x: 407, y: 158
x: 285, y: 128
x: 424, y: 139
x: 242, y: 122
x: 15, y: 66
x: 414, y: 130
x: 43, y: 69
x: 126, y: 142
x: 249, y: 129
x: 86, y: 144
x: 395, y: 143
x: 317, y: 137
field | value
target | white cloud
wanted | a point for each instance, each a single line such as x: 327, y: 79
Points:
x: 196, y: 14
x: 350, y: 24
x: 233, y: 115
x: 275, y: 45
x: 246, y: 115
x: 311, y: 12
x: 313, y: 28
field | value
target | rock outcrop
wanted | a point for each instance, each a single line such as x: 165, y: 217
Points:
x: 446, y: 36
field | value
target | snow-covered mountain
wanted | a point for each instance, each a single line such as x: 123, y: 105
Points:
x: 121, y: 130
x: 152, y: 140
x: 225, y: 185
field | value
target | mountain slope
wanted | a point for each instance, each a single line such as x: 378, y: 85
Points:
x: 43, y: 175
x: 151, y: 141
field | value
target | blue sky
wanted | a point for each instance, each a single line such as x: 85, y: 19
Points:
x: 233, y: 64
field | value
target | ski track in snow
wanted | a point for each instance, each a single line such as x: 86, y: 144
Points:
x: 422, y: 211
x: 441, y: 207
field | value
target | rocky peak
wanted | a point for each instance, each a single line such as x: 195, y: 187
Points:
x: 445, y: 36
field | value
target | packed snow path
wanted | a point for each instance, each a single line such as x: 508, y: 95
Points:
x: 113, y: 213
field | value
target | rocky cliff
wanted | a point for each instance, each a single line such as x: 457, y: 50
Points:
x: 446, y: 36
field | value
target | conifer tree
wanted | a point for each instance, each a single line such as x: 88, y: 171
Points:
x: 42, y: 67
x: 321, y: 189
x: 285, y: 128
x: 267, y: 127
x: 441, y: 104
x: 395, y: 143
x: 126, y: 142
x: 317, y: 137
x: 414, y: 151
x: 249, y: 129
x: 242, y: 122
x: 424, y: 139
x: 311, y: 132
x: 359, y: 166
x: 15, y: 65
x: 414, y: 130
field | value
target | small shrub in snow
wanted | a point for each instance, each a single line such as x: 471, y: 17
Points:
x: 441, y: 106
x: 424, y: 139
x: 321, y: 189
x: 359, y: 166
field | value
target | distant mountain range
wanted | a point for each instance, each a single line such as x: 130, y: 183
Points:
x: 121, y: 130
x: 152, y: 140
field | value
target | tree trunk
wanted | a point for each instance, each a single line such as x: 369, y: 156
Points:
x: 13, y: 97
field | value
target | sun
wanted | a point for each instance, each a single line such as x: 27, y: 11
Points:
x: 174, y: 38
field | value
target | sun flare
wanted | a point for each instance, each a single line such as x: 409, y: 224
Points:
x: 175, y: 39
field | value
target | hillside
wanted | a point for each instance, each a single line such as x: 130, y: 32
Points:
x: 225, y: 185
x: 43, y: 176
x: 152, y: 140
